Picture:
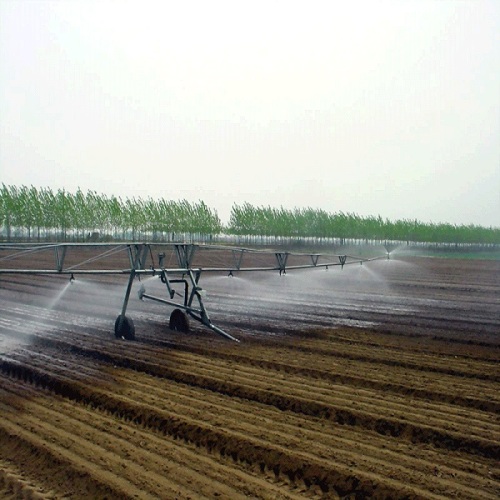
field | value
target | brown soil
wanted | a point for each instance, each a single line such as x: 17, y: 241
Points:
x: 404, y: 405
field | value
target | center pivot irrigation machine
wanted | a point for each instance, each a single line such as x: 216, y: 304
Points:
x: 178, y: 265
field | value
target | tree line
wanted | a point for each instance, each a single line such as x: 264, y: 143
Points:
x: 309, y: 222
x: 39, y: 214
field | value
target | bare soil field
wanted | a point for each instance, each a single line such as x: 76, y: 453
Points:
x: 375, y: 381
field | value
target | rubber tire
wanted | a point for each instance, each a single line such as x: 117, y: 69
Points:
x: 179, y: 321
x: 127, y: 329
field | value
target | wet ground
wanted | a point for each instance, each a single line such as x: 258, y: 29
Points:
x: 379, y: 380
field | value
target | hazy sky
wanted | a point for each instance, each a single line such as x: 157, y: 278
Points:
x: 373, y: 107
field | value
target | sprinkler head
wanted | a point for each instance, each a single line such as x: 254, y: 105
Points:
x: 72, y: 278
x: 230, y: 275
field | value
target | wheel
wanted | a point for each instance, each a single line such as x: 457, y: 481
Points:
x: 179, y: 321
x: 124, y: 328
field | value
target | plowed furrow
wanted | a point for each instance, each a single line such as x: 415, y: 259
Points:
x: 58, y: 365
x: 441, y: 418
x: 158, y: 456
x: 113, y: 459
x: 344, y: 374
x: 14, y: 484
x: 82, y: 452
x: 464, y: 393
x: 343, y: 416
x: 336, y: 402
x: 53, y: 466
x: 404, y: 344
x: 378, y: 354
x: 317, y: 341
x: 281, y: 462
x: 340, y: 395
x: 331, y: 443
x: 471, y: 369
x: 325, y: 390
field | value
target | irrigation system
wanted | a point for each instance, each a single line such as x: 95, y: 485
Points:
x: 178, y: 265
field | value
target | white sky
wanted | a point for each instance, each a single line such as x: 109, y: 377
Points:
x: 373, y: 107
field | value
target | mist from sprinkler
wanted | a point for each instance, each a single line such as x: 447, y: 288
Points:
x: 87, y: 290
x: 58, y: 297
x: 393, y: 249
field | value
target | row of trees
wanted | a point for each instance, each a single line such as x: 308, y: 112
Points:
x: 302, y: 223
x: 44, y: 214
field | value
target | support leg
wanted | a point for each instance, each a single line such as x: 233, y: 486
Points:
x: 124, y: 327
